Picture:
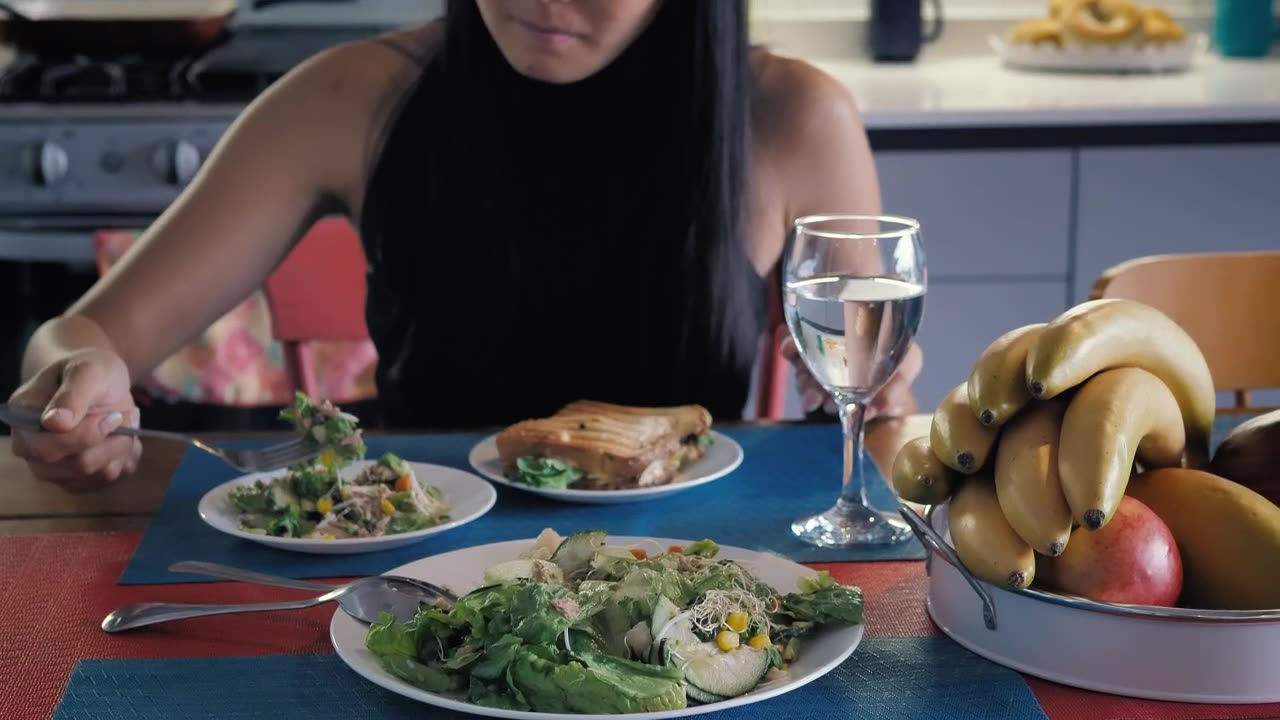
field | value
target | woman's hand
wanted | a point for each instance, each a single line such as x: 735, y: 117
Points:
x: 895, y: 399
x: 82, y: 399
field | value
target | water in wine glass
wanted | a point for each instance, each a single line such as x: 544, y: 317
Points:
x: 853, y: 331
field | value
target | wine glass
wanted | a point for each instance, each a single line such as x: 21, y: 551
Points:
x: 853, y: 296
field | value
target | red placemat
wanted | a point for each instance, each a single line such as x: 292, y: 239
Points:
x: 57, y: 589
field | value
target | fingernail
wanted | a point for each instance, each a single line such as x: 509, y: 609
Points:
x: 111, y: 422
x: 52, y: 414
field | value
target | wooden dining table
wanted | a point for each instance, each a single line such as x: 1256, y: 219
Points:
x: 62, y: 555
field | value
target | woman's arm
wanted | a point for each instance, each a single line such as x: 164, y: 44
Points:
x: 296, y: 153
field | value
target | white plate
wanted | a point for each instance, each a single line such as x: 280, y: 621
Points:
x: 462, y: 571
x: 1166, y: 57
x: 468, y: 496
x: 723, y: 457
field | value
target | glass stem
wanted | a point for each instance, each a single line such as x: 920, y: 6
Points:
x: 853, y: 490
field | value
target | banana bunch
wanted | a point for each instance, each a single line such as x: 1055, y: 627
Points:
x: 1053, y: 420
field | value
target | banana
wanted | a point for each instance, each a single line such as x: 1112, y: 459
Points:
x: 984, y: 541
x: 1101, y: 334
x: 957, y: 438
x: 1115, y: 416
x: 919, y: 476
x: 1026, y: 474
x: 1228, y: 537
x: 998, y: 382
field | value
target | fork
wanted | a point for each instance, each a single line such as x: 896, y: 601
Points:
x: 249, y: 460
x: 227, y: 572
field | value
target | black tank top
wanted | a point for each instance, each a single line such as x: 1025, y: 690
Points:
x: 491, y: 329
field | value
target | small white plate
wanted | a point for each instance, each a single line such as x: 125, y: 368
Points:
x: 463, y: 570
x: 723, y: 457
x: 468, y: 496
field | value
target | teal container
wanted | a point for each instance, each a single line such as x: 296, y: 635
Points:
x: 1244, y: 28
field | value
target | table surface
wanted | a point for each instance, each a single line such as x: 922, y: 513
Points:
x: 49, y: 575
x: 29, y: 506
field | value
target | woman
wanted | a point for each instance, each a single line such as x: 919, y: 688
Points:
x: 558, y: 199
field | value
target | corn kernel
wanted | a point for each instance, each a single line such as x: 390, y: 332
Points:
x: 388, y: 508
x: 327, y: 536
x: 344, y: 491
x: 727, y: 640
x: 324, y: 505
x: 737, y: 621
x: 639, y: 553
x: 326, y: 458
x: 760, y: 642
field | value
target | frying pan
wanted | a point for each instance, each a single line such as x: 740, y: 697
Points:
x: 53, y: 28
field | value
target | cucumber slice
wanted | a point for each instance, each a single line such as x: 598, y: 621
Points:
x: 663, y: 611
x: 576, y: 551
x: 511, y: 571
x: 709, y: 669
x: 702, y: 696
x: 727, y: 674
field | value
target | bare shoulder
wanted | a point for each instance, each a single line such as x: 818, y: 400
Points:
x: 798, y: 106
x: 340, y: 99
x: 809, y: 130
x: 354, y: 79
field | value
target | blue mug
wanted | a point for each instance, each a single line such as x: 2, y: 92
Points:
x: 1244, y: 28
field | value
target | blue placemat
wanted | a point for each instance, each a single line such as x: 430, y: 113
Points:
x: 787, y: 471
x: 886, y: 679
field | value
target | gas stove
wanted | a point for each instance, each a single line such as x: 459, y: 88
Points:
x: 93, y: 142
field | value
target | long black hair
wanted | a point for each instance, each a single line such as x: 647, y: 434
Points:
x: 643, y: 166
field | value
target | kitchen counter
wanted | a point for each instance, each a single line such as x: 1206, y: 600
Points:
x: 976, y: 91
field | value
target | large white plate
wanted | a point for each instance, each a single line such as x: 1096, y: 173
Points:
x: 462, y: 571
x: 468, y: 496
x: 1162, y: 58
x: 723, y: 457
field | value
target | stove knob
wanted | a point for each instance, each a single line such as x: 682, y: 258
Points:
x: 49, y: 163
x: 178, y: 162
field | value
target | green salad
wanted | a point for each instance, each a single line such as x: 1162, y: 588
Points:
x: 574, y: 625
x: 316, y: 499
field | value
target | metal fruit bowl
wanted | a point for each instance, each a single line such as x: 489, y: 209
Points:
x: 1158, y: 653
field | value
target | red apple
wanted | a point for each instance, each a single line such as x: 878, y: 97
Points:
x: 1132, y: 560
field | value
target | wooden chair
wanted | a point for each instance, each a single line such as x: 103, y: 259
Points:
x: 1228, y: 302
x: 318, y: 293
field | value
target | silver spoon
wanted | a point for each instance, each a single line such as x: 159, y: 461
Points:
x: 363, y: 600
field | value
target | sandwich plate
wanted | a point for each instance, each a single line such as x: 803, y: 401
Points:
x: 723, y: 457
x: 463, y: 570
x: 469, y: 497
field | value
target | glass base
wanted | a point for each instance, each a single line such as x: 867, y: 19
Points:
x: 851, y: 525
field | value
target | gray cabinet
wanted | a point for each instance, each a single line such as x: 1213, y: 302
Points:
x: 1155, y: 200
x: 962, y: 318
x: 984, y: 213
x: 996, y: 229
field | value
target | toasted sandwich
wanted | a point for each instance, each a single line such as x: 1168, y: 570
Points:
x: 596, y: 445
